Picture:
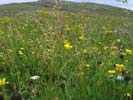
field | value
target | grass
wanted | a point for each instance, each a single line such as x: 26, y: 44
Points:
x: 89, y: 8
x: 96, y: 64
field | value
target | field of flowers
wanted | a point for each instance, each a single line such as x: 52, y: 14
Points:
x: 58, y: 55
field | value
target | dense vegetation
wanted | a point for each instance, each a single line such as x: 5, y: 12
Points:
x: 53, y: 54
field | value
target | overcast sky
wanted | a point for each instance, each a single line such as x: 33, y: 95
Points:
x: 109, y: 2
x: 14, y: 1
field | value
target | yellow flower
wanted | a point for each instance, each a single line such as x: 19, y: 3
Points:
x: 67, y: 46
x: 84, y: 51
x: 112, y: 72
x: 108, y: 32
x: 105, y: 47
x: 3, y: 82
x: 119, y: 67
x: 88, y: 65
x: 52, y: 47
x: 20, y: 52
x: 5, y: 20
x: 123, y: 54
x: 81, y: 38
x: 114, y: 47
x: 33, y: 52
x: 68, y: 29
x: 128, y: 94
x: 95, y: 48
x: 22, y: 48
x: 128, y: 51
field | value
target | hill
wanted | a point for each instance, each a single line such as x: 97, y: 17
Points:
x: 66, y: 54
x: 11, y: 9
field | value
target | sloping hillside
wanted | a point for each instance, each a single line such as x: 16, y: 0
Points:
x: 83, y: 52
x: 11, y: 9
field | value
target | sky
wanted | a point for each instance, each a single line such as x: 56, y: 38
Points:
x: 14, y: 1
x: 108, y: 2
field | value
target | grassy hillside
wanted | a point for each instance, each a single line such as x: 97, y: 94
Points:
x: 87, y: 8
x: 65, y: 55
x: 11, y: 9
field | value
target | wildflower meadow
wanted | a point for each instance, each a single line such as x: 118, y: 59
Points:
x: 61, y: 55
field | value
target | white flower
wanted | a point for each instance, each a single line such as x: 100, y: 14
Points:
x: 120, y: 77
x: 34, y: 77
x: 111, y: 76
x: 118, y: 40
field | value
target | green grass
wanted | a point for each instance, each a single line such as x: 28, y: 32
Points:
x: 34, y: 45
